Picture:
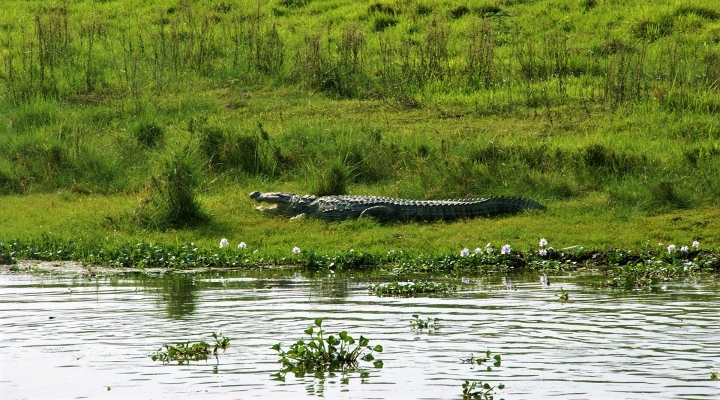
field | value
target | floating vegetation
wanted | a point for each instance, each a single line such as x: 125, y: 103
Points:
x: 418, y: 324
x: 714, y: 376
x: 564, y: 296
x: 623, y: 269
x: 183, y: 353
x: 320, y: 354
x: 478, y: 390
x: 483, y: 360
x: 411, y: 289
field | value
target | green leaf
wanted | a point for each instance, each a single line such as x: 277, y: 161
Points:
x: 343, y: 335
x: 378, y: 364
x: 309, y: 331
x: 378, y: 348
x: 318, y: 321
x: 501, y: 386
x: 368, y: 357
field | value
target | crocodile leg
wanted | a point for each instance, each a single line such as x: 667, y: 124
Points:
x: 380, y: 213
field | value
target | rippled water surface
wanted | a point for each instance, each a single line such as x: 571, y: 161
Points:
x: 64, y: 337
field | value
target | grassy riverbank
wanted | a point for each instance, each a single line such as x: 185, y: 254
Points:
x: 605, y: 111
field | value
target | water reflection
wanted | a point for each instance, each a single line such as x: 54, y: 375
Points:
x: 178, y: 292
x: 600, y: 344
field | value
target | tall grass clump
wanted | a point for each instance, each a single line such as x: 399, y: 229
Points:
x: 170, y: 197
x: 332, y: 180
x: 225, y: 150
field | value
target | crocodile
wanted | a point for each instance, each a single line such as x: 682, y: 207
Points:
x: 386, y: 209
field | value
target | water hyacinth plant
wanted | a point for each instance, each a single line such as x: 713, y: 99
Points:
x: 622, y: 268
x: 419, y: 324
x: 185, y: 352
x: 411, y: 289
x: 564, y: 296
x: 477, y: 389
x: 505, y: 249
x: 322, y: 354
x: 473, y: 361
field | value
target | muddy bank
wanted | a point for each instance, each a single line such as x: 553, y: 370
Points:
x: 80, y: 269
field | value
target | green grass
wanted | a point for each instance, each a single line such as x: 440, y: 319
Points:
x: 604, y: 111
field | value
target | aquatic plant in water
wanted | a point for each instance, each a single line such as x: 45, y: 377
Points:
x: 185, y: 352
x: 564, y: 296
x: 320, y: 353
x: 410, y: 289
x: 477, y: 389
x: 418, y: 324
x: 483, y: 360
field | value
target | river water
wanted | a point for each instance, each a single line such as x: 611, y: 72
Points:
x: 64, y: 337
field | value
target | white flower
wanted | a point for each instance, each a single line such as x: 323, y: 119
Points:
x: 465, y: 280
x: 488, y: 249
x: 543, y: 242
x: 671, y: 248
x: 296, y: 250
x: 478, y: 250
x: 505, y: 249
x: 543, y: 279
x: 684, y: 249
x: 696, y: 244
x: 542, y: 252
x: 224, y: 243
x: 242, y: 245
x: 507, y: 283
x: 465, y: 252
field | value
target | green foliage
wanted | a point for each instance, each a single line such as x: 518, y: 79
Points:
x: 185, y: 352
x: 561, y: 98
x: 418, y: 324
x: 714, y: 376
x: 652, y: 271
x: 625, y: 269
x: 332, y: 181
x: 171, y: 200
x: 477, y: 390
x: 321, y: 354
x: 480, y: 361
x: 564, y: 296
x: 149, y: 134
x: 412, y: 289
